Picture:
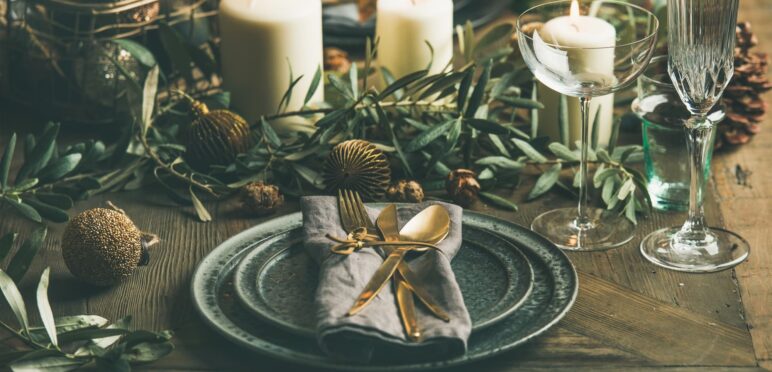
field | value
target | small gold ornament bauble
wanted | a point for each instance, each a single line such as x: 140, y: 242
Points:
x: 103, y: 246
x: 405, y: 191
x: 357, y: 165
x: 261, y: 199
x: 462, y: 186
x: 215, y: 137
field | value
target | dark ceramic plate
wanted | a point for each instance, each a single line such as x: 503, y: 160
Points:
x: 277, y: 280
x: 554, y: 291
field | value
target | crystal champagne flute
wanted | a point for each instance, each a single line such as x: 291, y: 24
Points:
x: 586, y: 52
x: 701, y: 37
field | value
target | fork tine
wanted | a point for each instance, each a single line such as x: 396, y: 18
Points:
x: 355, y: 209
x: 363, y: 212
x: 345, y: 215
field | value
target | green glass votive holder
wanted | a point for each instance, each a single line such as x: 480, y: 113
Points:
x: 665, y: 154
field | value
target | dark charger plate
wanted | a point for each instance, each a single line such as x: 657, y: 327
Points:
x: 277, y: 280
x: 554, y: 291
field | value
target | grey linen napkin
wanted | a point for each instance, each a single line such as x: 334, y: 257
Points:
x: 376, y: 332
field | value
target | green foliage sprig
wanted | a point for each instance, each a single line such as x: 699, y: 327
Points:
x: 72, y: 342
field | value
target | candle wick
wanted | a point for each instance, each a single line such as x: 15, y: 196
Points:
x: 575, y: 27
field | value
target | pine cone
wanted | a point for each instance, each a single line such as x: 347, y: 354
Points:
x: 405, y: 191
x: 261, y: 199
x: 745, y: 106
x: 463, y: 187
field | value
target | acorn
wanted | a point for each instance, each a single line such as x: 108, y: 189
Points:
x: 357, y: 165
x: 103, y: 246
x: 462, y: 186
x: 409, y: 191
x: 261, y: 199
x: 214, y: 137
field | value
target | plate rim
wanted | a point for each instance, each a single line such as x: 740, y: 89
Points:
x: 244, y: 298
x: 298, y: 358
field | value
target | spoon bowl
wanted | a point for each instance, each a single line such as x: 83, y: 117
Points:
x: 431, y: 225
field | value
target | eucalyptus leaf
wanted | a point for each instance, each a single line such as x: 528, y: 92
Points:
x: 563, y: 152
x: 545, y: 182
x: 24, y: 209
x: 500, y: 162
x: 314, y: 85
x: 498, y: 201
x: 41, y: 154
x: 609, y: 186
x: 148, y: 351
x: 463, y: 89
x: 426, y: 137
x: 90, y: 334
x: 630, y: 210
x: 148, y: 99
x: 529, y: 151
x: 26, y: 253
x: 138, y: 51
x: 201, y: 212
x: 5, y: 162
x: 479, y: 91
x: 47, y: 364
x: 487, y: 126
x: 15, y: 300
x: 6, y: 243
x: 59, y: 167
x: 44, y: 307
x: 518, y: 102
x: 269, y: 133
x: 401, y: 83
x: 47, y: 211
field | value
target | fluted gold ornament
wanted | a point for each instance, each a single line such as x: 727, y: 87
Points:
x: 215, y: 137
x: 359, y: 166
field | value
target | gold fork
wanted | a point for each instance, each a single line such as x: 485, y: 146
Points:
x: 354, y: 215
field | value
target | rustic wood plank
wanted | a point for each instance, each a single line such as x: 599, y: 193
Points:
x: 747, y: 207
x: 655, y: 330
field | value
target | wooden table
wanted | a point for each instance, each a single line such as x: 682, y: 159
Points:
x: 629, y: 314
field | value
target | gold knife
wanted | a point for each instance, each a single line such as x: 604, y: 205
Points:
x: 387, y: 224
x: 407, y: 307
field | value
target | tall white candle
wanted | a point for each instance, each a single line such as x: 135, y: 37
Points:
x: 575, y: 31
x: 260, y: 40
x: 403, y: 27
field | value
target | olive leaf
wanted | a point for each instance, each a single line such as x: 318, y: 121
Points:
x: 479, y: 91
x: 401, y: 83
x: 428, y: 136
x: 313, y: 86
x: 41, y: 154
x: 498, y: 201
x: 5, y: 162
x: 15, y: 301
x: 24, y: 209
x: 201, y: 212
x: 22, y: 260
x: 529, y: 151
x: 563, y: 152
x: 545, y: 182
x: 148, y: 98
x: 44, y: 307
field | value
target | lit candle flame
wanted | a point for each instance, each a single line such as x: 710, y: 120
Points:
x: 574, y: 9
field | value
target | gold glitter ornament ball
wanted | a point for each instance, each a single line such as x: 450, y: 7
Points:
x: 357, y: 165
x: 215, y: 137
x: 101, y: 246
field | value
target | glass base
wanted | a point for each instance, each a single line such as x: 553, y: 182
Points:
x: 720, y: 250
x: 605, y: 230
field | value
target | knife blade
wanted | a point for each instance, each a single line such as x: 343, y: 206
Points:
x: 387, y: 224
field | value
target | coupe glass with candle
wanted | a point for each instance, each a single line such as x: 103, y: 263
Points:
x: 585, y: 51
x: 701, y: 37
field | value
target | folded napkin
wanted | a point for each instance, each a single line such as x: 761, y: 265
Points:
x: 376, y: 333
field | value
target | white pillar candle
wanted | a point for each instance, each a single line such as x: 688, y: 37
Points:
x: 576, y: 31
x: 260, y: 39
x: 403, y: 27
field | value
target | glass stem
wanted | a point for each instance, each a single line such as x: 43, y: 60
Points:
x: 582, y: 220
x: 699, y: 143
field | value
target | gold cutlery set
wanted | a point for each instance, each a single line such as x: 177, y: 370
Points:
x: 419, y: 234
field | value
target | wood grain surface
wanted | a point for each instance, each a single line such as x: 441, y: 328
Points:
x: 630, y: 314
